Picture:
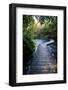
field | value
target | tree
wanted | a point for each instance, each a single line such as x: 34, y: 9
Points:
x: 42, y: 20
x: 28, y: 44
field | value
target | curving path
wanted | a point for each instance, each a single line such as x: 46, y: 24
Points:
x: 42, y: 61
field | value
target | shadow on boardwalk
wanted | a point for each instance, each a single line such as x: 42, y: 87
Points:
x: 42, y: 61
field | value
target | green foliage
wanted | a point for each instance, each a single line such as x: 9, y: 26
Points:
x: 42, y: 20
x: 50, y: 28
x: 27, y: 21
x: 45, y: 28
x: 28, y: 35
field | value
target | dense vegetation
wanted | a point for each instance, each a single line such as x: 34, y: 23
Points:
x: 36, y: 27
x: 49, y: 29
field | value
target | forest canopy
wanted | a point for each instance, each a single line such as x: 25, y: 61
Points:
x: 37, y: 27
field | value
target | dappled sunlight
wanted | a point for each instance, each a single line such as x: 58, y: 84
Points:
x: 35, y: 20
x: 39, y: 44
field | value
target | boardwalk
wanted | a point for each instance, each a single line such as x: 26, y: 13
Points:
x: 42, y: 61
